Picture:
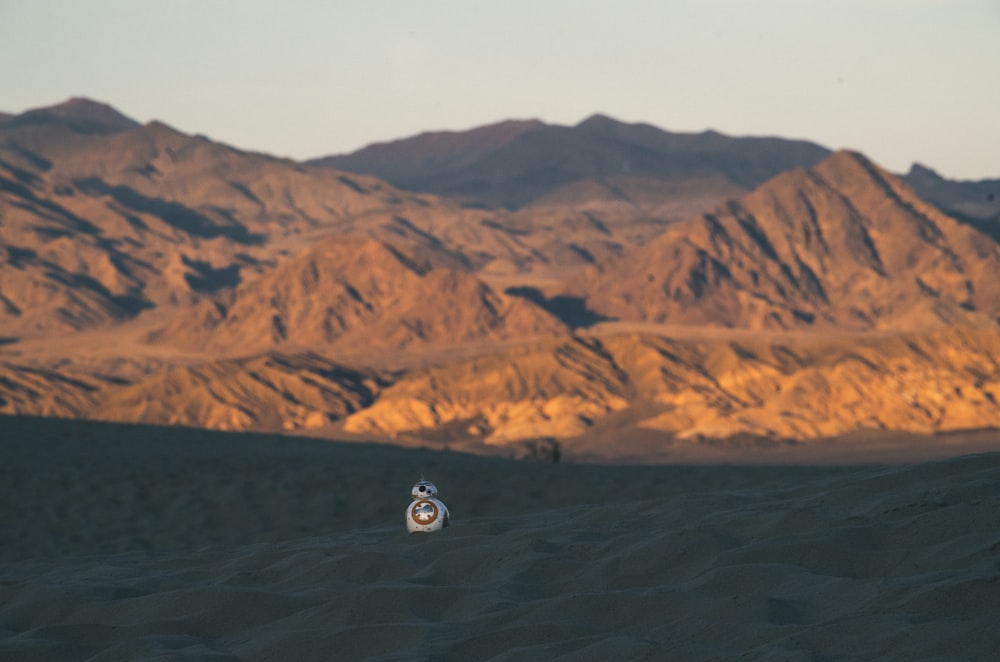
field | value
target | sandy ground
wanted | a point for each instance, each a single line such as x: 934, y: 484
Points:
x: 123, y: 542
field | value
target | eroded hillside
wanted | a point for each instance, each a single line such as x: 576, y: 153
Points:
x: 573, y: 389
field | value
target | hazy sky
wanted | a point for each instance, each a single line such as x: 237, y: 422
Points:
x: 900, y: 80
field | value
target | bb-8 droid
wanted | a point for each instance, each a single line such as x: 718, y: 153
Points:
x: 426, y: 513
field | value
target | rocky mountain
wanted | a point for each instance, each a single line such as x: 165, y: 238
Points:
x: 103, y: 219
x: 359, y: 293
x: 514, y: 164
x: 842, y: 244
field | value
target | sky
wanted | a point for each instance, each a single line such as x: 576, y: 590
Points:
x: 902, y: 81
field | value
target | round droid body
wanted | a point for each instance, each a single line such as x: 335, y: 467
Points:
x: 426, y: 512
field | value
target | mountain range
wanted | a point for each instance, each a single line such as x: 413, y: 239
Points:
x: 609, y: 285
x: 518, y: 163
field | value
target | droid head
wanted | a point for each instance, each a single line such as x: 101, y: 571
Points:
x: 423, y: 490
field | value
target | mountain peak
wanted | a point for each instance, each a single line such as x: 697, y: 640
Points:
x: 919, y: 170
x: 843, y: 243
x: 847, y: 164
x: 598, y: 121
x: 849, y: 157
x: 80, y: 114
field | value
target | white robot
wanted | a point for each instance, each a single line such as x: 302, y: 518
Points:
x: 426, y: 513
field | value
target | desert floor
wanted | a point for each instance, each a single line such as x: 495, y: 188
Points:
x: 124, y: 542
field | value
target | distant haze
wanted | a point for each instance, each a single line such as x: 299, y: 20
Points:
x: 903, y: 82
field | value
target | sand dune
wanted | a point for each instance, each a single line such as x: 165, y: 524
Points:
x: 124, y: 542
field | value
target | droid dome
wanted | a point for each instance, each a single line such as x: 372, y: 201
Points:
x: 423, y: 489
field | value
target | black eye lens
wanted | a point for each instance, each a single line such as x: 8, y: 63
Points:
x: 423, y: 489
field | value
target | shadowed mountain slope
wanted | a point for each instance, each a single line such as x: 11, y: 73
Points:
x: 976, y: 203
x: 843, y: 244
x: 450, y: 151
x: 513, y: 164
x: 77, y: 114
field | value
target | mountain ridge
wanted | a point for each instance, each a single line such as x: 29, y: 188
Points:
x: 540, y: 158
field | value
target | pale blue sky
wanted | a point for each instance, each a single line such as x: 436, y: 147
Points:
x: 900, y: 80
